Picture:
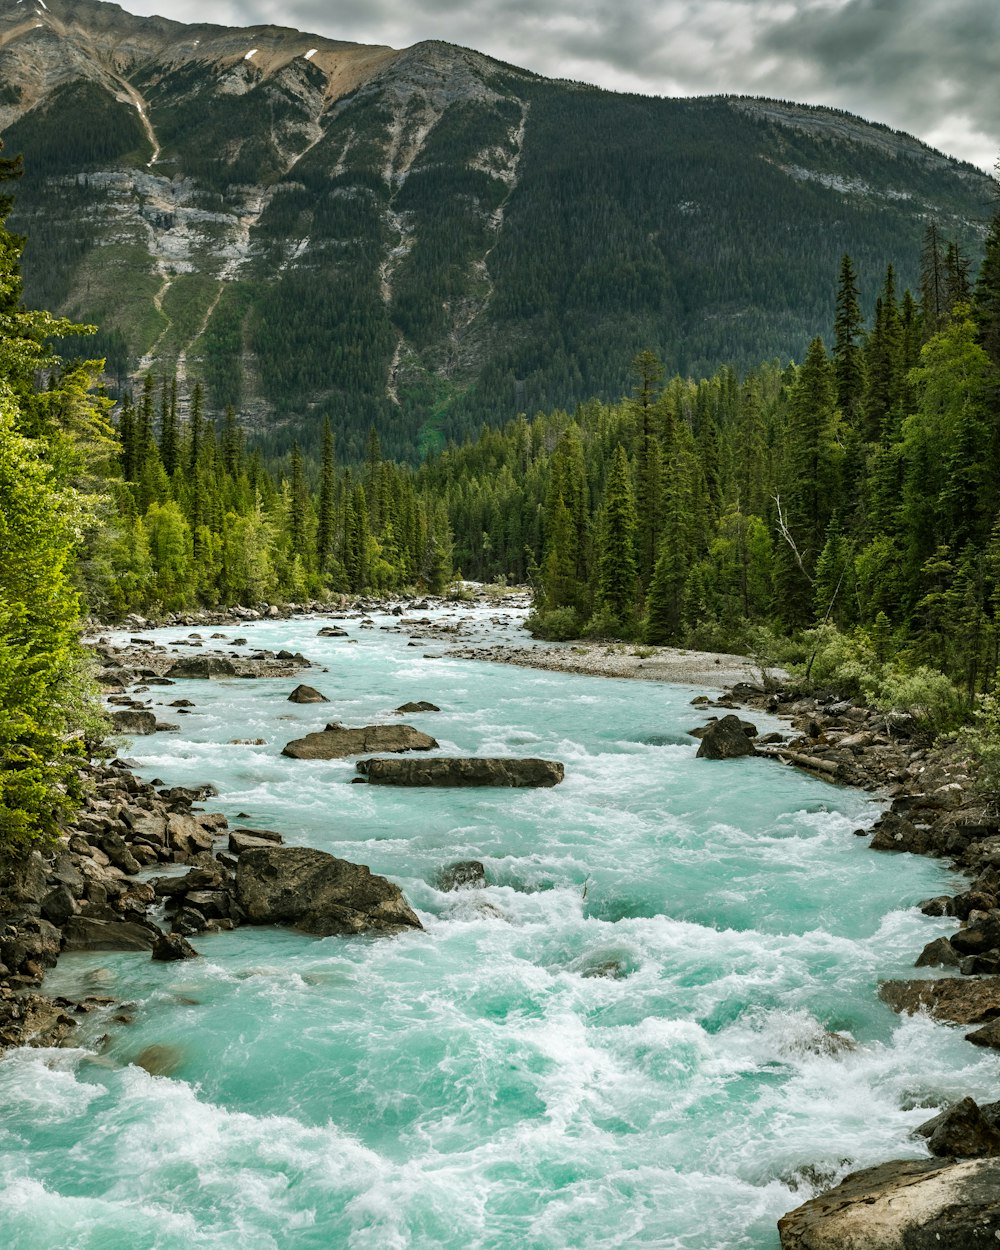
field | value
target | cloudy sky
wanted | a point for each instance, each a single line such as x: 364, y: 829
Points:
x: 930, y: 67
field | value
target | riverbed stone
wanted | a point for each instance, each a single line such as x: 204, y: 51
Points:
x: 462, y: 771
x: 307, y: 694
x: 959, y: 1000
x: 83, y: 933
x: 318, y: 893
x: 725, y: 739
x: 466, y: 874
x: 133, y: 721
x: 338, y: 741
x: 203, y: 667
x: 961, y: 1131
x: 912, y: 1204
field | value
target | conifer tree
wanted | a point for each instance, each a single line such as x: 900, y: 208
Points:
x: 326, y: 528
x: 848, y: 359
x: 616, y: 563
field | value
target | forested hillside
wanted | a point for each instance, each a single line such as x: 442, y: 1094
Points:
x: 424, y: 240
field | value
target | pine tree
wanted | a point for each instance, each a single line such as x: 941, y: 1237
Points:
x: 986, y: 299
x: 326, y: 529
x: 848, y: 359
x: 616, y: 563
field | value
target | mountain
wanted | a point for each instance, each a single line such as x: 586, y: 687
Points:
x: 426, y: 239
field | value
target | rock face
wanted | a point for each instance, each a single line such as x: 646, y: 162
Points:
x: 462, y: 772
x: 726, y: 739
x: 318, y: 893
x: 912, y: 1205
x: 335, y: 742
x: 306, y: 694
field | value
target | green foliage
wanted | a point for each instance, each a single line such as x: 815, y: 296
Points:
x: 555, y: 624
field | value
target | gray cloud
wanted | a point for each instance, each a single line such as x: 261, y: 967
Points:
x: 925, y: 66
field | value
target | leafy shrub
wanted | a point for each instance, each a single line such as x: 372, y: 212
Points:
x: 554, y: 625
x: 606, y: 627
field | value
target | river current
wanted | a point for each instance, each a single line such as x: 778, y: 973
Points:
x: 628, y: 1039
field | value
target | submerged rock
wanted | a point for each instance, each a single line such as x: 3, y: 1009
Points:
x: 467, y: 771
x: 726, y: 739
x: 467, y: 874
x: 318, y: 893
x: 916, y: 1204
x: 337, y: 741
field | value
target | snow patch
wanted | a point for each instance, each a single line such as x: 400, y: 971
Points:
x: 311, y: 53
x: 251, y: 53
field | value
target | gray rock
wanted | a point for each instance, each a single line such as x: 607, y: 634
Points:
x: 959, y: 1000
x: 467, y: 874
x: 173, y: 946
x: 318, y: 893
x: 725, y: 740
x: 332, y: 631
x: 420, y: 706
x: 462, y: 771
x: 938, y: 954
x: 82, y: 933
x: 202, y: 666
x: 910, y: 1205
x: 241, y: 840
x: 988, y: 1035
x: 336, y: 742
x: 961, y: 1131
x: 133, y: 721
x: 307, y: 694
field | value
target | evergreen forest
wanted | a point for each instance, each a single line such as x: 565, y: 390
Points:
x: 843, y: 511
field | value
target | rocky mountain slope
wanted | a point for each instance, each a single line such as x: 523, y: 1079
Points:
x: 428, y: 238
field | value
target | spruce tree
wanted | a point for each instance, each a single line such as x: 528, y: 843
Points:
x: 848, y: 359
x: 616, y: 563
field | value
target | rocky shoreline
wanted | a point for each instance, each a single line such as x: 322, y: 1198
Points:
x: 145, y: 867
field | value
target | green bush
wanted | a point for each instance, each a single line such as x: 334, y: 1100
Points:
x: 606, y: 627
x: 555, y: 625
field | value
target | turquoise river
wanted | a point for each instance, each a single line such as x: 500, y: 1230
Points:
x: 623, y: 1041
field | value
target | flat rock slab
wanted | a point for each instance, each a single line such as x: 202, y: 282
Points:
x: 85, y: 934
x: 917, y: 1204
x: 318, y: 893
x: 202, y: 666
x: 462, y: 771
x: 959, y: 1000
x: 335, y: 742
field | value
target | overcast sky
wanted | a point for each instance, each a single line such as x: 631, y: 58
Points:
x: 930, y: 67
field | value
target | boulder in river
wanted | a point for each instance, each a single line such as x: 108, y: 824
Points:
x: 83, y: 933
x: 133, y: 721
x: 307, y: 694
x: 318, y: 893
x: 962, y: 1131
x: 202, y: 666
x: 332, y: 631
x: 914, y: 1204
x: 726, y: 739
x: 960, y: 1000
x: 420, y: 706
x: 467, y: 874
x: 462, y: 771
x: 336, y: 741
